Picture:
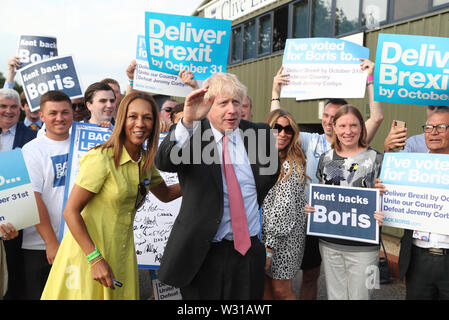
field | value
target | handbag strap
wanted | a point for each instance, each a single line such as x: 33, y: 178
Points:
x: 383, y: 248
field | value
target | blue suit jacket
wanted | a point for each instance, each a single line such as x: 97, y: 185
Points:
x: 23, y: 135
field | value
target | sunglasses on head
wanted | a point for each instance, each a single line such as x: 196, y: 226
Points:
x: 287, y: 129
x: 80, y: 105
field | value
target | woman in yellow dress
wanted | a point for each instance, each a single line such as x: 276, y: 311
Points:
x: 113, y: 179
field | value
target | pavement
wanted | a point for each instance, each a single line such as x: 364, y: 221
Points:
x: 393, y: 291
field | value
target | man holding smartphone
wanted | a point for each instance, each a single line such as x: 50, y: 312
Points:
x: 397, y: 137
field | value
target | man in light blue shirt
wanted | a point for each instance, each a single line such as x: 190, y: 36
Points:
x: 244, y: 175
x: 203, y: 255
x: 397, y: 137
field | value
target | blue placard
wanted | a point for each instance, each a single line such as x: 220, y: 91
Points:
x: 343, y: 212
x: 197, y: 44
x: 36, y: 48
x: 412, y: 70
x: 17, y: 201
x: 52, y: 74
x: 416, y: 169
x: 13, y: 171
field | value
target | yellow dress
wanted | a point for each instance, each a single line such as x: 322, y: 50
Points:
x: 109, y: 217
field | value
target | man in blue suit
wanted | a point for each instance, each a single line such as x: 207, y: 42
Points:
x: 13, y: 134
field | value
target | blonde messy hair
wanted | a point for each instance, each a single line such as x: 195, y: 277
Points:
x: 225, y: 82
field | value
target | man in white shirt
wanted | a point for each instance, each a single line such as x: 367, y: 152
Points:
x: 46, y: 159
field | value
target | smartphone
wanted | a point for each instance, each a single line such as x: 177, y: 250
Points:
x: 400, y: 124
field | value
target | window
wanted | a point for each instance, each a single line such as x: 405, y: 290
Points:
x: 300, y: 20
x: 407, y: 8
x: 322, y: 18
x: 236, y: 45
x: 373, y: 13
x: 249, y: 40
x: 439, y: 2
x: 280, y: 28
x: 264, y: 35
x: 346, y: 16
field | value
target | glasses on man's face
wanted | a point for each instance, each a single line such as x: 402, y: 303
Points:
x: 167, y: 109
x: 287, y: 129
x: 141, y: 195
x: 441, y: 128
x: 80, y: 105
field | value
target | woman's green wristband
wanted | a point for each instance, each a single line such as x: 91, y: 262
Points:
x: 91, y: 256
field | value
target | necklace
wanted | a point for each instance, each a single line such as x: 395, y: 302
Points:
x: 140, y: 157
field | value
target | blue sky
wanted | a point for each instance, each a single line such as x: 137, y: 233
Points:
x: 100, y: 34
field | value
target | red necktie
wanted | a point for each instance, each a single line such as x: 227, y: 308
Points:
x: 239, y: 222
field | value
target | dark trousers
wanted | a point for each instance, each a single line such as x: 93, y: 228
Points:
x: 37, y: 270
x: 16, y: 272
x: 427, y: 276
x: 226, y: 274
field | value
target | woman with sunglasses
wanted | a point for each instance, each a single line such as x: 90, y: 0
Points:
x: 350, y: 163
x: 98, y: 252
x: 283, y: 217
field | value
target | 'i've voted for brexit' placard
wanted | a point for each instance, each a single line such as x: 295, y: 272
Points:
x: 412, y: 69
x: 52, y: 74
x: 196, y: 44
x: 324, y: 68
x: 84, y: 137
x: 154, y: 81
x: 417, y: 196
x: 17, y: 201
x: 33, y: 49
x: 344, y: 213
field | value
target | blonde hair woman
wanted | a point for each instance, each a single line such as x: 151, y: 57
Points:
x: 283, y: 219
x: 112, y: 183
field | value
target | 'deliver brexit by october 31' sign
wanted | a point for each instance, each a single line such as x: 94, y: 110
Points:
x: 412, y: 70
x: 196, y: 44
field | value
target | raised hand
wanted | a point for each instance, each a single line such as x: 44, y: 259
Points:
x: 196, y: 106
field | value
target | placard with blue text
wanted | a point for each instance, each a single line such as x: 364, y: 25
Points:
x: 33, y: 49
x: 154, y: 81
x: 197, y: 44
x: 412, y: 70
x: 52, y: 74
x: 17, y: 201
x: 324, y: 68
x: 344, y: 213
x: 417, y: 195
x: 84, y: 137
